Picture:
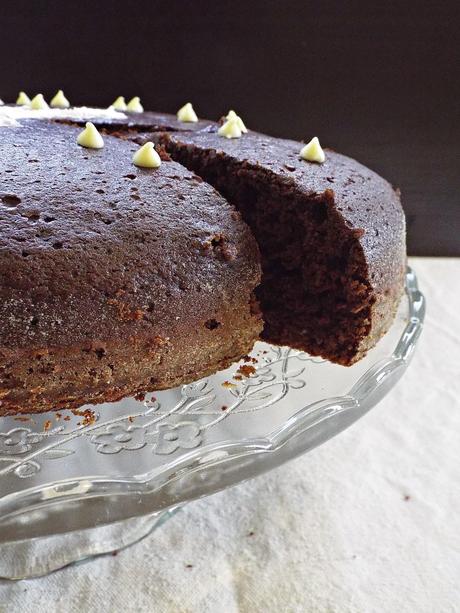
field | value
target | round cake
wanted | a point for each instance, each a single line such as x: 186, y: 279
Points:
x: 116, y: 279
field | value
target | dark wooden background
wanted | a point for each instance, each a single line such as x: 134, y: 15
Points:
x: 376, y: 80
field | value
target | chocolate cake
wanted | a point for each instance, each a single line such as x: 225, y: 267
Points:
x: 114, y: 279
x: 117, y: 280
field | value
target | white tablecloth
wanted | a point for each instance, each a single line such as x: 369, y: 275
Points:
x: 368, y: 522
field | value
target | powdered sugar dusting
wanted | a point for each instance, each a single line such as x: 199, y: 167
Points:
x: 10, y: 116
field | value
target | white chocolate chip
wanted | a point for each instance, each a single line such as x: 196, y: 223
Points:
x: 1, y: 102
x: 38, y: 103
x: 119, y: 104
x: 313, y: 151
x: 187, y: 114
x: 23, y: 99
x: 233, y: 115
x: 60, y: 101
x: 230, y: 129
x: 90, y: 137
x: 147, y: 157
x: 134, y: 105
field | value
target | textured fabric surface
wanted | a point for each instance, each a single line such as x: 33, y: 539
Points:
x: 369, y: 522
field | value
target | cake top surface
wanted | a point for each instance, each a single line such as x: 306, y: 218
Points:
x: 366, y: 201
x: 351, y: 181
x: 362, y: 196
x: 46, y: 174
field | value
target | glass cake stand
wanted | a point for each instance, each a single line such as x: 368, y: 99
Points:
x: 74, y: 486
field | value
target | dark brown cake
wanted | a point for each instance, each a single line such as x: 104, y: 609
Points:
x: 116, y: 280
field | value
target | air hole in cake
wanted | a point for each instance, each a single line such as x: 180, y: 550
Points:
x: 212, y: 324
x: 10, y: 200
x: 217, y: 241
x: 314, y: 294
x: 48, y: 219
x: 57, y: 245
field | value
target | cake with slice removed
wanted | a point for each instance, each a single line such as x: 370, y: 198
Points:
x: 116, y: 280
